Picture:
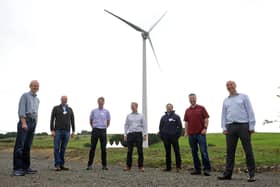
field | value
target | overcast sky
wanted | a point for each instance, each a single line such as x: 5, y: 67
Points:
x: 74, y: 48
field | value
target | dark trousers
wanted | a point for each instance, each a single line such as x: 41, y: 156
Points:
x: 169, y: 140
x: 236, y: 131
x: 194, y: 141
x: 137, y: 139
x: 102, y: 136
x: 23, y: 144
x: 60, y: 143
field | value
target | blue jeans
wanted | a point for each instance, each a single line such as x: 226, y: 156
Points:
x: 60, y: 143
x: 194, y: 141
x: 23, y: 144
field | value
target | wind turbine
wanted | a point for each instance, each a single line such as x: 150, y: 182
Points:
x: 145, y: 35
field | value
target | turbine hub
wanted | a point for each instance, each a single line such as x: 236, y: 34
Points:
x: 145, y: 35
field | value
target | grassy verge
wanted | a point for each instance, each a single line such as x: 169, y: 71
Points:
x: 266, y: 148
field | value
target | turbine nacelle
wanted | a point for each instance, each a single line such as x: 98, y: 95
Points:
x: 145, y: 35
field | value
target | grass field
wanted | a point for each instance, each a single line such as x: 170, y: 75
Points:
x: 266, y: 148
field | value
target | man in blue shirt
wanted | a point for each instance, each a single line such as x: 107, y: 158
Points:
x: 238, y: 122
x: 99, y: 121
x: 28, y: 113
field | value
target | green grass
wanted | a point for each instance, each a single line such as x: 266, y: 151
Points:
x: 266, y: 148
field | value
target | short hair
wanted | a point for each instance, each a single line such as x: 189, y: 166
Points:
x: 169, y: 104
x: 33, y: 82
x: 100, y: 98
x: 192, y: 94
x: 134, y: 103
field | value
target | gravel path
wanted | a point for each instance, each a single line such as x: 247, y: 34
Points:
x: 78, y: 176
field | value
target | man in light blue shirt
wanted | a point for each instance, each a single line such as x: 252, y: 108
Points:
x: 135, y: 130
x: 99, y: 122
x: 28, y: 113
x: 238, y: 122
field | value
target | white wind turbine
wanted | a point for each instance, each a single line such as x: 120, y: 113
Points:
x: 145, y: 36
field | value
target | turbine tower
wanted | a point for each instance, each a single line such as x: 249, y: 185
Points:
x: 145, y: 35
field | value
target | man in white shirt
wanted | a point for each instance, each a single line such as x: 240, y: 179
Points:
x: 135, y: 131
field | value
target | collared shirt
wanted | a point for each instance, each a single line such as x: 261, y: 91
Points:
x: 195, y: 116
x: 238, y: 109
x: 28, y: 105
x: 135, y: 122
x: 99, y: 118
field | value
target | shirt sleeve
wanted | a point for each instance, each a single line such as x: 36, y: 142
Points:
x: 186, y: 116
x: 22, y: 106
x: 52, y: 119
x: 72, y: 120
x: 145, y: 130
x: 250, y: 112
x: 205, y: 113
x: 126, y: 126
x: 108, y: 116
x: 224, y: 111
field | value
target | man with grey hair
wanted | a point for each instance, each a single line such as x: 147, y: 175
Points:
x: 238, y: 122
x: 62, y: 120
x: 28, y: 114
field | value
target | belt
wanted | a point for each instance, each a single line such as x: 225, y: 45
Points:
x: 135, y: 132
x: 238, y: 123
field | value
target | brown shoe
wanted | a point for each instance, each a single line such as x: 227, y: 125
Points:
x: 127, y: 168
x: 141, y: 169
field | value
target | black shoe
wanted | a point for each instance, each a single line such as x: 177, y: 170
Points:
x: 64, y: 168
x: 166, y: 169
x: 224, y: 177
x: 89, y: 168
x: 206, y: 173
x: 196, y: 173
x: 30, y: 171
x: 251, y: 179
x: 104, y: 168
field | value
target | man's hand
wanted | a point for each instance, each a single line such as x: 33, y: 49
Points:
x: 53, y: 134
x: 125, y: 138
x: 251, y: 131
x: 225, y: 132
x: 145, y: 137
x: 73, y: 135
x: 186, y: 134
x: 203, y: 131
x: 24, y: 126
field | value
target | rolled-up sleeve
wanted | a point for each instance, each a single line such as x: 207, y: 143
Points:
x: 22, y: 106
x: 250, y: 111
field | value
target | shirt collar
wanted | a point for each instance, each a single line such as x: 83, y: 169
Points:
x: 33, y: 94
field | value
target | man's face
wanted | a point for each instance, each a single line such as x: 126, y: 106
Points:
x: 64, y: 100
x: 100, y: 102
x: 34, y: 86
x: 231, y: 87
x: 192, y: 99
x: 169, y: 108
x: 134, y: 107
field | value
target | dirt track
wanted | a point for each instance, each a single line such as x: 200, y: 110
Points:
x: 78, y: 176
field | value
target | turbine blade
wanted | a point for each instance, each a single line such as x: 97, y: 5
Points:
x: 155, y: 24
x: 154, y: 51
x: 127, y: 22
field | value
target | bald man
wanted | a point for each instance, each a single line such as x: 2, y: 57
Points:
x: 62, y: 119
x: 28, y: 113
x: 238, y: 122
